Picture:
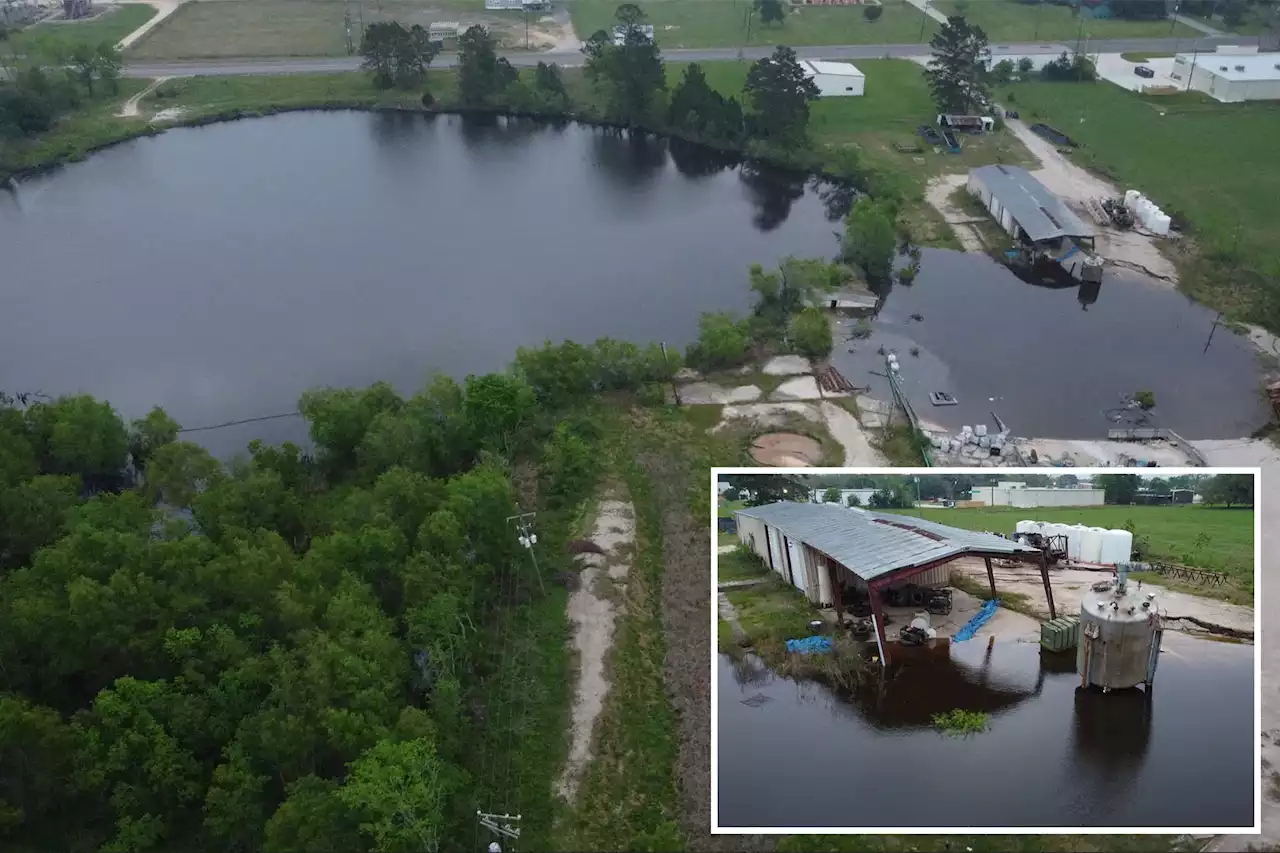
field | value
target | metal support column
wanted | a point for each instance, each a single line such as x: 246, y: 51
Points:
x: 878, y: 612
x: 1048, y: 590
x: 991, y: 577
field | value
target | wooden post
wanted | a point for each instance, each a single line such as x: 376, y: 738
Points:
x: 835, y: 593
x: 1048, y: 591
x: 878, y: 612
x: 991, y: 577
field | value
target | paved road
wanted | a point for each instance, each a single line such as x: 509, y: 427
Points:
x: 865, y: 51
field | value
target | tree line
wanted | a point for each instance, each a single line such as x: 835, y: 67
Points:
x: 36, y: 90
x: 296, y: 652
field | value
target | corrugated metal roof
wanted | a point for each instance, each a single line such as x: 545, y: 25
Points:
x: 872, y: 544
x: 1040, y: 213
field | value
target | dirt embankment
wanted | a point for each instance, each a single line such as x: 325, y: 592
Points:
x: 686, y: 608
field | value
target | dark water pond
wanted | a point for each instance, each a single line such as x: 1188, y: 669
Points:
x: 1054, y: 755
x: 221, y: 271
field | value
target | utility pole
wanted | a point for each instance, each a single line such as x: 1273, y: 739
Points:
x: 526, y: 26
x: 923, y: 20
x: 501, y: 825
x: 527, y: 538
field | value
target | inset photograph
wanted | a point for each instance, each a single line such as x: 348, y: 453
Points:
x: 950, y: 650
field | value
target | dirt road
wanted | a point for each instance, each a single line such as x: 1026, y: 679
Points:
x: 938, y: 194
x: 164, y: 8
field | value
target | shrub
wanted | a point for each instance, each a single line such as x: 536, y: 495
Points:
x: 959, y: 722
x: 811, y: 333
x: 723, y: 341
x: 428, y: 99
x: 872, y: 13
x: 1146, y: 400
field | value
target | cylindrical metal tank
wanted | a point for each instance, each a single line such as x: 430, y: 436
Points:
x: 1120, y: 636
x: 1117, y: 547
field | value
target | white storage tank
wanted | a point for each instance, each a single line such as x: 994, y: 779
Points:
x: 1161, y: 225
x: 1091, y: 545
x: 1120, y: 635
x: 1075, y: 539
x: 1130, y: 196
x: 1117, y: 547
x: 1024, y: 527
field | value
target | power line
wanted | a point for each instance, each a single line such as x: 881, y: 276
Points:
x: 245, y: 421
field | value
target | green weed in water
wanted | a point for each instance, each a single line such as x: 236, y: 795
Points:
x: 959, y: 722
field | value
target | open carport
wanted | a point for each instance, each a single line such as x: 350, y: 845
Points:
x: 828, y: 551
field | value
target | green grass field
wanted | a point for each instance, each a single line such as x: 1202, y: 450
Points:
x: 1213, y: 538
x: 57, y: 38
x: 1212, y: 163
x: 241, y: 28
x: 896, y: 102
x: 1011, y: 21
x: 723, y: 23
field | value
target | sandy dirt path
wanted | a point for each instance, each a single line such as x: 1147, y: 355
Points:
x: 593, y: 614
x: 844, y: 428
x: 164, y: 8
x: 938, y: 194
x: 130, y: 108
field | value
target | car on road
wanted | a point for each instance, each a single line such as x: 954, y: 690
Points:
x: 1144, y: 72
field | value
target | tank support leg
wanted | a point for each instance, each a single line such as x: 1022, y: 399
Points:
x: 1048, y: 590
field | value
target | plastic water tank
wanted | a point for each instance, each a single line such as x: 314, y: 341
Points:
x: 980, y: 430
x: 1024, y: 527
x: 1074, y: 540
x: 1117, y: 547
x: 1130, y: 196
x: 1119, y: 638
x: 1091, y: 544
x: 1161, y: 224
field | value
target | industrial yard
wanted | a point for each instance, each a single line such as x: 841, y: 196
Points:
x: 899, y: 625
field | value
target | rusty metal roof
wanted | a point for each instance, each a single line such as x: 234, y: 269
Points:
x: 872, y: 544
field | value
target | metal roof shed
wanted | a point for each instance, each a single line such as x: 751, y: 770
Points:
x: 884, y: 548
x: 1040, y: 213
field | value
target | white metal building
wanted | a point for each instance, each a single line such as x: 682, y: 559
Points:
x: 1019, y: 494
x: 1230, y: 76
x: 835, y: 79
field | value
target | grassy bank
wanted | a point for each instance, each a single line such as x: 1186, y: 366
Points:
x: 1209, y: 164
x: 1220, y: 540
x: 58, y: 38
x: 897, y: 101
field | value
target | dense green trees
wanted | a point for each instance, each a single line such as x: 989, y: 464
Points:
x: 957, y: 73
x: 397, y: 56
x: 779, y: 93
x: 294, y: 653
x: 628, y: 68
x: 870, y: 239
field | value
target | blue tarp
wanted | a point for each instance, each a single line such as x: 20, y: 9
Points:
x: 979, y: 619
x: 809, y: 646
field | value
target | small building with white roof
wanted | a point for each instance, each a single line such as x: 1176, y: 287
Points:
x: 1230, y: 76
x: 835, y: 79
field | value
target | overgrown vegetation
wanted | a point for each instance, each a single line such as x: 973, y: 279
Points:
x: 959, y: 722
x: 348, y: 649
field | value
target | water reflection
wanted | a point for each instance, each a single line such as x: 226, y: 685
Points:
x: 631, y: 159
x: 772, y: 192
x: 694, y: 161
x: 1053, y: 754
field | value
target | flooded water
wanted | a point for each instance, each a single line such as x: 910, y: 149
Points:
x: 1050, y: 362
x: 800, y: 754
x: 221, y: 271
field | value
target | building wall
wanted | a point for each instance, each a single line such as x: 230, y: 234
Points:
x: 997, y: 210
x: 839, y: 85
x: 1055, y: 497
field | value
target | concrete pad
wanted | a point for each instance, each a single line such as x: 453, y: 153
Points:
x: 1114, y: 68
x: 800, y: 388
x: 769, y: 414
x: 709, y: 393
x: 872, y: 421
x: 871, y: 404
x: 786, y: 450
x: 787, y: 365
x: 845, y: 429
